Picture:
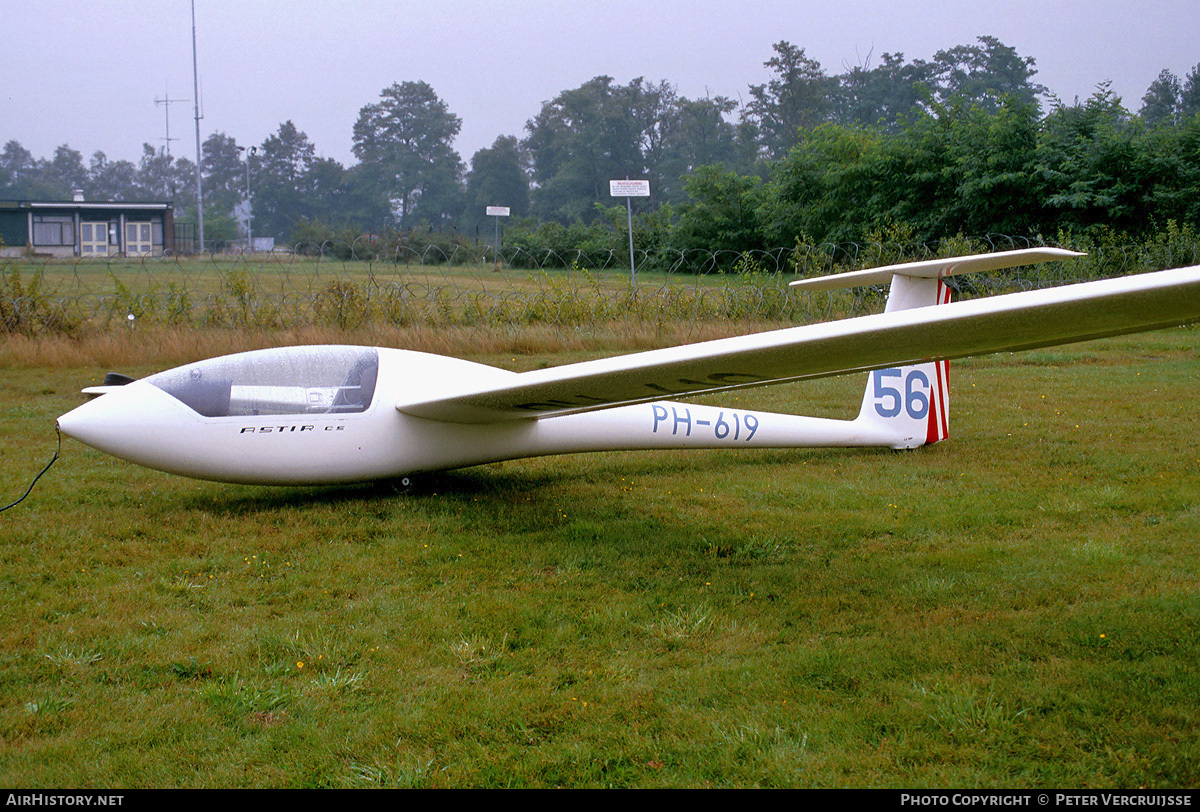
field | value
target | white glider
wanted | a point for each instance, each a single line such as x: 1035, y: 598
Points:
x: 330, y: 414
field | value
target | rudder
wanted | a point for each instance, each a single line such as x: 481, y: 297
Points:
x: 912, y: 402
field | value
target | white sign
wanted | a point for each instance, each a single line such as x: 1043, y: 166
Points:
x: 629, y: 188
x: 497, y: 211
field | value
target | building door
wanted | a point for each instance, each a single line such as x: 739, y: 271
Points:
x: 93, y: 239
x: 139, y: 239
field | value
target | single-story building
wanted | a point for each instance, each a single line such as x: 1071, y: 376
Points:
x: 81, y: 228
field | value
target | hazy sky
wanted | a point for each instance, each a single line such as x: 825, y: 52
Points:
x: 87, y: 73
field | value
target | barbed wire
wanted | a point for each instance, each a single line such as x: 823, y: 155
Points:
x: 464, y: 285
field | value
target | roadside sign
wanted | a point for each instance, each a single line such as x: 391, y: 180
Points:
x: 497, y: 212
x: 629, y: 188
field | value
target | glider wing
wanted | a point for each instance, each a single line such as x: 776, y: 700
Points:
x: 1016, y: 321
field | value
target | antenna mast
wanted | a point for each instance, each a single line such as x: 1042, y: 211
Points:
x: 199, y: 155
x: 165, y: 102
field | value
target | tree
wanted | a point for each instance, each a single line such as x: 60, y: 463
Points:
x: 1189, y: 94
x: 1167, y: 167
x: 800, y: 96
x: 360, y: 203
x: 154, y: 173
x: 183, y: 174
x: 404, y: 142
x: 697, y: 134
x: 720, y: 212
x: 113, y: 180
x: 329, y: 197
x: 991, y: 157
x: 279, y: 173
x: 654, y: 123
x: 23, y: 177
x: 986, y: 73
x: 224, y: 172
x: 65, y: 173
x: 603, y: 130
x: 498, y: 178
x: 1160, y: 105
x: 884, y: 96
x: 823, y: 189
x: 1087, y: 162
x: 578, y: 142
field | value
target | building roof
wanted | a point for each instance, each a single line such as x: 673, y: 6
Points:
x: 86, y: 205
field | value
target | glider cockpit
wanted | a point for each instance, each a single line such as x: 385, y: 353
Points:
x: 281, y: 381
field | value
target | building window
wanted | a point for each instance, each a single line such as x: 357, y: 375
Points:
x: 49, y: 229
x: 138, y: 239
x: 93, y: 239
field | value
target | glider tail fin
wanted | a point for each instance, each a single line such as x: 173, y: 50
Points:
x: 912, y: 403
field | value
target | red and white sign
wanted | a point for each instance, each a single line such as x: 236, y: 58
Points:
x: 629, y: 188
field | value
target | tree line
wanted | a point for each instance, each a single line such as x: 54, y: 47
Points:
x: 966, y: 143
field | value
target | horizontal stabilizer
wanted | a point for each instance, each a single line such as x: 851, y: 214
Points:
x: 936, y: 268
x: 113, y: 380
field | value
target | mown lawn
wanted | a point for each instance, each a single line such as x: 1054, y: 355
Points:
x: 1018, y: 607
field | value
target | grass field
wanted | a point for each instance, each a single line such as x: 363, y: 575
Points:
x: 1018, y: 607
x: 77, y: 297
x: 288, y: 274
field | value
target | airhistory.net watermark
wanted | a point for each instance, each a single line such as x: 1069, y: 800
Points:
x: 60, y: 799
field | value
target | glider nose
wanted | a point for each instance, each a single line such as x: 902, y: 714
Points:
x: 96, y: 423
x: 126, y: 422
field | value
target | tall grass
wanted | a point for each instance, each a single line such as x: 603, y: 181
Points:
x: 42, y: 302
x: 75, y: 297
x: 164, y: 345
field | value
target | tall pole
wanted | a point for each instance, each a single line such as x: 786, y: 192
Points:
x: 199, y: 156
x: 249, y: 205
x: 629, y: 212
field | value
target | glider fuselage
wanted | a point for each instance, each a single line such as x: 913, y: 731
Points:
x: 143, y: 423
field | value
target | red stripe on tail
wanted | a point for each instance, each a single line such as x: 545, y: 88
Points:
x: 939, y: 407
